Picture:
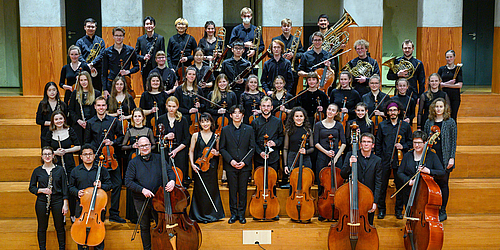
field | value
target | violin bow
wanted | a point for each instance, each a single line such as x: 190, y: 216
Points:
x: 140, y: 218
x: 206, y: 190
x: 205, y: 99
x: 337, y: 55
x: 182, y: 53
x: 291, y: 99
x: 106, y: 135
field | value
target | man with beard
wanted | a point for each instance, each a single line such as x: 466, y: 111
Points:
x: 417, y: 80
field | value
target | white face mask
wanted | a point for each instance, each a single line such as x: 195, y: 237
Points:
x: 246, y: 20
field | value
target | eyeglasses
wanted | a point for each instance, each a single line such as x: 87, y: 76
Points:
x: 145, y: 146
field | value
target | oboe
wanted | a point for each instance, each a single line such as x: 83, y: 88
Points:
x: 49, y: 186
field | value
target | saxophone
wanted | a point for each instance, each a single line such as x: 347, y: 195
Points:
x: 49, y: 186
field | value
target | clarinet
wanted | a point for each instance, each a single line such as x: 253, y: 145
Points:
x: 49, y: 186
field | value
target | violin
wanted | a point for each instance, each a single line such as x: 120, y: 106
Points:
x: 264, y: 204
x: 331, y: 180
x: 222, y: 120
x: 253, y: 116
x: 124, y: 121
x: 300, y: 203
x: 282, y: 114
x: 353, y: 200
x: 195, y: 124
x: 423, y: 229
x: 204, y: 161
x: 128, y: 80
x: 154, y: 120
x: 177, y: 171
x: 174, y: 229
x: 88, y: 229
x: 318, y: 116
x: 109, y: 152
x: 136, y: 152
x: 181, y: 68
x: 344, y: 116
x: 376, y: 119
x: 326, y: 78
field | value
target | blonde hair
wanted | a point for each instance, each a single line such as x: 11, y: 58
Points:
x: 286, y: 21
x: 181, y: 20
x: 79, y: 89
x: 361, y: 42
x: 246, y: 10
x: 74, y: 47
x: 429, y: 93
x: 178, y: 114
x: 216, y: 93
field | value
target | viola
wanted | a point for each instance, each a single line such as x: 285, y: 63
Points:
x: 251, y: 118
x: 300, y: 203
x: 318, y: 116
x: 174, y: 230
x: 154, y: 120
x: 344, y: 116
x: 400, y: 152
x: 177, y: 171
x: 222, y: 120
x: 136, y: 152
x: 204, y: 161
x: 88, y: 229
x: 110, y: 161
x: 264, y: 204
x: 195, y: 124
x: 376, y: 119
x: 326, y: 78
x: 331, y: 180
x: 423, y: 229
x: 353, y: 200
x: 282, y: 114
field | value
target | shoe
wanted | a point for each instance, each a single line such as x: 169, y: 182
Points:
x: 243, y: 220
x: 276, y: 218
x: 321, y: 218
x: 442, y: 215
x: 232, y: 219
x: 381, y: 214
x: 117, y: 219
x: 399, y: 216
x: 73, y: 218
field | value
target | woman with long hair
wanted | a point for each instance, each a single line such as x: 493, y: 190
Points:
x: 296, y: 126
x: 452, y: 81
x: 120, y: 102
x: 70, y: 71
x: 250, y: 99
x: 220, y: 95
x: 344, y: 89
x: 433, y: 92
x: 362, y: 120
x: 208, y: 41
x: 49, y: 180
x: 445, y: 146
x: 189, y: 102
x: 281, y: 95
x: 49, y: 104
x: 155, y: 92
x: 201, y: 70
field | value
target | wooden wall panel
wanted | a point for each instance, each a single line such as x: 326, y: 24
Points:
x: 432, y: 44
x: 43, y: 54
x: 371, y: 34
x: 197, y: 33
x: 495, y: 81
x: 268, y: 33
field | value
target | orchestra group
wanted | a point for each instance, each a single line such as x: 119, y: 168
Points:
x: 306, y: 121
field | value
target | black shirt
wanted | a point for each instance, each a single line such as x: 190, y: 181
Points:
x: 147, y: 102
x: 309, y: 101
x: 288, y: 44
x: 68, y: 75
x: 385, y: 138
x: 417, y: 81
x: 446, y: 75
x: 43, y: 116
x: 372, y: 102
x: 75, y: 109
x: 176, y: 44
x: 86, y: 43
x: 208, y: 48
x: 363, y: 88
x: 337, y: 96
x: 272, y: 69
x: 167, y: 76
x: 232, y: 68
x: 404, y: 99
x: 409, y: 166
x: 372, y: 180
x: 112, y: 60
x: 94, y: 132
x: 250, y: 102
x: 143, y: 45
x: 245, y: 35
x: 311, y: 58
x: 228, y: 97
x: 40, y: 179
x: 425, y: 104
x: 82, y: 178
x: 273, y: 127
x: 321, y: 134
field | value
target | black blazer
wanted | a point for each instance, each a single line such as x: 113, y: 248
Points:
x: 372, y: 174
x: 232, y: 149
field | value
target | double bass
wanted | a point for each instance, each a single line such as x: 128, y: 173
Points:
x: 354, y: 200
x: 331, y: 180
x: 174, y: 230
x: 423, y: 229
x: 300, y: 204
x: 178, y: 172
x: 88, y: 229
x: 264, y: 205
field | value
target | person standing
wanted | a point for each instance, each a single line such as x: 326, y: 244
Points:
x: 180, y: 46
x: 360, y: 82
x: 145, y: 49
x: 49, y: 104
x: 70, y: 71
x: 92, y: 47
x: 452, y: 82
x: 415, y: 78
x: 234, y: 66
x: 245, y: 32
x: 276, y: 66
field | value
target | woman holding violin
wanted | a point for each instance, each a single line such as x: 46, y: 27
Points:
x: 279, y: 96
x: 81, y: 103
x: 313, y: 100
x: 63, y: 137
x: 176, y: 131
x: 49, y: 183
x: 406, y: 100
x: 70, y: 71
x: 221, y: 95
x: 204, y: 146
x: 153, y: 99
x: 296, y: 126
x: 433, y: 92
x: 362, y: 120
x: 345, y: 96
x: 201, y: 71
x: 49, y: 104
x: 120, y: 102
x: 445, y: 146
x: 452, y: 81
x: 250, y: 99
x: 190, y: 104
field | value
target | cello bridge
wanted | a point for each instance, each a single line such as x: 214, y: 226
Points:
x: 299, y: 196
x: 353, y: 224
x: 171, y: 226
x: 331, y: 195
x: 411, y: 218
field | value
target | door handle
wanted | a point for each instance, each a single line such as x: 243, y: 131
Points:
x: 70, y: 33
x: 473, y: 35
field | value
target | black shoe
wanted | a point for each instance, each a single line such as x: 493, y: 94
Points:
x: 232, y: 219
x: 321, y: 218
x: 399, y: 216
x: 243, y: 220
x: 117, y: 219
x: 442, y: 215
x: 381, y: 214
x: 276, y: 218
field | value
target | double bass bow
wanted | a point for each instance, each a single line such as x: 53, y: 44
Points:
x: 264, y: 205
x: 177, y: 171
x: 398, y: 136
x: 331, y: 180
x: 353, y: 200
x: 174, y: 230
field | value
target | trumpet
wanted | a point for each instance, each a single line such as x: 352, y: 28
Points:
x: 221, y: 36
x: 295, y: 45
x: 94, y: 51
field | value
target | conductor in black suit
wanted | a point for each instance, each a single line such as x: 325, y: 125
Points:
x: 369, y: 169
x: 237, y: 141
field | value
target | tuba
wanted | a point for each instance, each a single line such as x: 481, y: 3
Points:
x: 362, y: 68
x: 402, y: 65
x: 334, y: 38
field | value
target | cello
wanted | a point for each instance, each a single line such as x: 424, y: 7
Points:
x: 300, y: 204
x: 174, y: 229
x: 88, y: 229
x: 331, y: 180
x: 353, y: 200
x: 423, y: 229
x: 264, y: 205
x: 326, y: 78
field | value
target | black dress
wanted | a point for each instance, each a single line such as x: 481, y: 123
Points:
x: 425, y: 103
x: 147, y: 103
x: 453, y: 93
x: 76, y: 111
x: 43, y: 116
x: 247, y: 100
x: 68, y: 77
x: 201, y: 208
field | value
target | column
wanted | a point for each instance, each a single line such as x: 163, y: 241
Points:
x: 435, y: 18
x: 43, y: 45
x: 273, y: 11
x: 495, y: 83
x: 199, y: 12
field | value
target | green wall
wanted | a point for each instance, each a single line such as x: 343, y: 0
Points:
x: 10, y: 66
x: 165, y: 13
x: 400, y: 23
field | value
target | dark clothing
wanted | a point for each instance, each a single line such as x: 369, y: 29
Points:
x: 40, y: 179
x: 235, y: 143
x: 288, y: 44
x: 250, y: 102
x: 111, y: 64
x: 311, y: 58
x: 338, y: 96
x: 385, y: 138
x: 232, y: 68
x: 142, y: 47
x: 86, y: 44
x: 321, y: 134
x: 81, y: 112
x: 418, y: 76
x: 273, y: 127
x: 309, y: 101
x: 272, y: 69
x: 43, y: 222
x: 182, y: 136
x: 147, y: 102
x: 176, y: 44
x: 277, y: 102
x: 292, y: 145
x: 200, y: 75
x: 82, y: 178
x: 187, y: 101
x: 453, y: 93
x: 404, y: 99
x: 363, y: 88
x: 68, y: 77
x: 425, y: 103
x: 43, y: 116
x: 363, y: 128
x: 167, y: 76
x: 94, y: 133
x: 375, y: 102
x: 245, y: 35
x: 228, y: 97
x: 208, y: 48
x: 201, y: 208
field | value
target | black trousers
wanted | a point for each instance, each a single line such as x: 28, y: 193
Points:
x: 386, y: 173
x: 116, y: 180
x: 237, y: 180
x: 43, y: 221
x: 145, y: 223
x: 445, y: 189
x: 454, y: 105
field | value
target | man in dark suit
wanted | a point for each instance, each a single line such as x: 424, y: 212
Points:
x: 237, y: 144
x: 143, y: 46
x: 369, y: 169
